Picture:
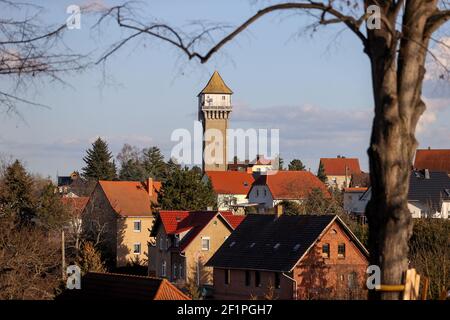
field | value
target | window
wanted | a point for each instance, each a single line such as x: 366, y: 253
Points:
x: 223, y: 97
x: 248, y: 278
x: 265, y: 193
x: 257, y: 192
x: 341, y: 250
x: 137, y: 225
x: 177, y: 240
x: 326, y: 250
x: 205, y: 243
x: 137, y: 248
x: 163, y: 269
x: 257, y: 279
x: 174, y: 271
x: 167, y: 243
x: 227, y: 276
x: 352, y: 280
x: 277, y: 280
x: 161, y: 243
x: 181, y: 270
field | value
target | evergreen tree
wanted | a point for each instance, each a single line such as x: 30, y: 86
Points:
x: 131, y: 167
x: 172, y: 166
x: 98, y: 162
x: 153, y: 163
x: 296, y: 165
x: 16, y: 196
x: 321, y: 173
x: 50, y: 210
x: 185, y: 190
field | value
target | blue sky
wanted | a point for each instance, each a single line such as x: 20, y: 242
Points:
x: 315, y: 89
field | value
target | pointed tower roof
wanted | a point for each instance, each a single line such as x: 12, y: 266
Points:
x: 216, y: 85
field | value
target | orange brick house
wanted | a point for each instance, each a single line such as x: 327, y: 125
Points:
x: 185, y: 240
x: 290, y: 257
x: 118, y: 215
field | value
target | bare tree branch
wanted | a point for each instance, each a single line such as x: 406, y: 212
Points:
x: 168, y: 34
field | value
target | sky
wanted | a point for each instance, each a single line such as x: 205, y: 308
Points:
x: 314, y: 88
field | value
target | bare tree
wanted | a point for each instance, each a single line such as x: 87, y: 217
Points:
x: 397, y: 51
x: 31, y: 50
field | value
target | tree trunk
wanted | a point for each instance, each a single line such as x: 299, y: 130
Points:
x: 397, y: 76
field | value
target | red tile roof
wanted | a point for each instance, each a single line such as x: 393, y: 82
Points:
x: 230, y: 182
x: 75, y: 204
x: 291, y: 184
x: 129, y: 198
x: 433, y: 159
x: 338, y: 166
x: 113, y: 286
x: 175, y: 222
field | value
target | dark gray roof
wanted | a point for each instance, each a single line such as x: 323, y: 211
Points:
x: 253, y: 245
x: 429, y: 191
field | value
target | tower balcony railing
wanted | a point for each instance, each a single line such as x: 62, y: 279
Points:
x: 223, y: 108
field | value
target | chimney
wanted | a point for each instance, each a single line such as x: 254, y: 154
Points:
x: 149, y: 186
x: 249, y: 169
x: 427, y: 174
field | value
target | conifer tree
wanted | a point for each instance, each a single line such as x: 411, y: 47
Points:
x: 98, y: 162
x: 16, y: 196
x: 296, y: 165
x: 185, y: 190
x: 153, y: 163
x: 321, y: 173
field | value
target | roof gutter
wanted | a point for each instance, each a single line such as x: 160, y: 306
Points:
x: 294, y: 284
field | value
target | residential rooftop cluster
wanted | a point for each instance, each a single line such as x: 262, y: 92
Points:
x: 265, y: 237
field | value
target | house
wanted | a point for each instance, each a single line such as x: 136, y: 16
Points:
x: 260, y: 164
x: 185, y: 240
x: 120, y: 213
x: 355, y: 200
x: 433, y: 160
x: 111, y: 286
x: 231, y: 187
x: 428, y: 196
x: 339, y: 170
x: 73, y: 185
x: 274, y: 187
x: 75, y: 205
x: 290, y: 257
x: 360, y: 180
